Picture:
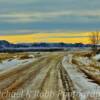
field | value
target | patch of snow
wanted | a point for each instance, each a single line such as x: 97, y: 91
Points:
x: 6, y: 64
x: 84, y: 60
x: 97, y: 57
x: 31, y: 56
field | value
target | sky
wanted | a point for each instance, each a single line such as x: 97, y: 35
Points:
x: 54, y: 20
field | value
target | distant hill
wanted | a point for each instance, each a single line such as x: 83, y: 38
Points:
x: 6, y: 46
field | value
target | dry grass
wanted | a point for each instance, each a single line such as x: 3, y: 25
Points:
x: 91, y: 75
x: 4, y: 56
x: 75, y: 62
x: 23, y: 56
x: 83, y: 54
x: 10, y: 56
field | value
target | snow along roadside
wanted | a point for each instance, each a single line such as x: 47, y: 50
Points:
x: 84, y: 86
x: 7, y: 65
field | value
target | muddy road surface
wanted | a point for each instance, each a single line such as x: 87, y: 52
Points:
x: 42, y: 79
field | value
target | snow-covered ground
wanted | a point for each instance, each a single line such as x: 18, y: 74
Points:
x: 86, y: 61
x: 84, y: 86
x: 97, y: 57
x: 8, y: 64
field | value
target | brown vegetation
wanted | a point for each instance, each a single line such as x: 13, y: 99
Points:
x: 95, y: 40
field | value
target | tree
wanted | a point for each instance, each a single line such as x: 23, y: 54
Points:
x: 95, y: 40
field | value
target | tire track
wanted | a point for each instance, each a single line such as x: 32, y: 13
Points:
x: 35, y: 84
x: 23, y: 78
x: 21, y: 73
x: 50, y: 82
x: 67, y: 84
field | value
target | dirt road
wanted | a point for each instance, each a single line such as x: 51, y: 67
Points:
x: 43, y: 79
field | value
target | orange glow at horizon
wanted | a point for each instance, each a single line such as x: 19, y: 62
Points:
x: 47, y: 37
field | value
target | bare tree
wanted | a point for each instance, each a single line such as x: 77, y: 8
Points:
x: 95, y: 40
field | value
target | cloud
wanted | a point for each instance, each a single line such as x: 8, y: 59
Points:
x: 49, y: 5
x: 14, y: 32
x: 49, y: 15
x: 69, y: 36
x: 57, y: 16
